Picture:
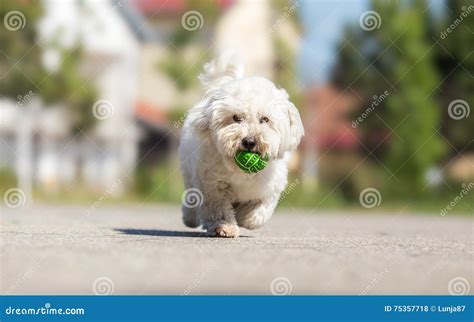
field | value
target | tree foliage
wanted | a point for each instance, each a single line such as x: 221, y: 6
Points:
x: 456, y: 64
x: 22, y: 69
x: 423, y: 73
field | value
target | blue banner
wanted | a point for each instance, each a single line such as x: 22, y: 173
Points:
x: 237, y: 308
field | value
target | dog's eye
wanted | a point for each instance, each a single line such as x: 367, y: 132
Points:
x: 264, y: 119
x: 237, y: 118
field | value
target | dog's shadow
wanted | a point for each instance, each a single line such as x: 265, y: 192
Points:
x: 164, y: 233
x: 160, y: 232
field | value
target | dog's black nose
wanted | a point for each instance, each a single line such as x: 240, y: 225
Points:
x: 249, y: 143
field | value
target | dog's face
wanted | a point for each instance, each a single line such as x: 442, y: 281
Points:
x: 249, y: 114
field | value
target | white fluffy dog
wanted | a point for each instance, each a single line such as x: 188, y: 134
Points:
x: 236, y: 113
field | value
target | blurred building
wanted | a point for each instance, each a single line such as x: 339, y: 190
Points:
x: 253, y: 41
x: 124, y: 43
x: 325, y: 107
x: 44, y: 151
x: 157, y: 24
x: 327, y: 126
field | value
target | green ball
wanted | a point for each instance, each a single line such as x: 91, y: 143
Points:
x: 250, y: 162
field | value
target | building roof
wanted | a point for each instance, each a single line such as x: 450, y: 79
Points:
x: 154, y: 7
x: 161, y: 6
x: 327, y: 123
x: 150, y: 114
x: 136, y: 22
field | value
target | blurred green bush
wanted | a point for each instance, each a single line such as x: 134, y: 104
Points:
x: 423, y: 72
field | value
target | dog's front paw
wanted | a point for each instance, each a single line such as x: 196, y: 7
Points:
x: 223, y: 230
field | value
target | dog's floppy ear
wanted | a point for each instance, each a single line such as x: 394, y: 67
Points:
x: 296, y: 126
x: 200, y: 115
x: 293, y: 130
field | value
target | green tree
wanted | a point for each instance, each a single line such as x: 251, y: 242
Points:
x: 184, y: 71
x: 67, y: 86
x: 22, y: 70
x: 20, y: 55
x: 456, y: 63
x: 398, y: 58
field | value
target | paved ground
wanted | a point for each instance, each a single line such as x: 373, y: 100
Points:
x: 146, y: 250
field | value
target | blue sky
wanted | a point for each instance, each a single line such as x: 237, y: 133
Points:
x: 323, y: 23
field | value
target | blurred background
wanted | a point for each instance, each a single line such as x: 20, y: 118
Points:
x: 93, y: 95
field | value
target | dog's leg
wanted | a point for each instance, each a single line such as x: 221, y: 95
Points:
x: 217, y: 214
x: 254, y: 214
x: 190, y: 217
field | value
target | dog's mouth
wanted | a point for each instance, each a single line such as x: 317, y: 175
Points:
x: 254, y: 150
x: 265, y: 157
x: 250, y: 150
x: 257, y: 149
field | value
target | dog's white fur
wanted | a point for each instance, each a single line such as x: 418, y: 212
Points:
x: 211, y: 137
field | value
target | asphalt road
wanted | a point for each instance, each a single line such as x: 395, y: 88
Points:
x: 134, y: 249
